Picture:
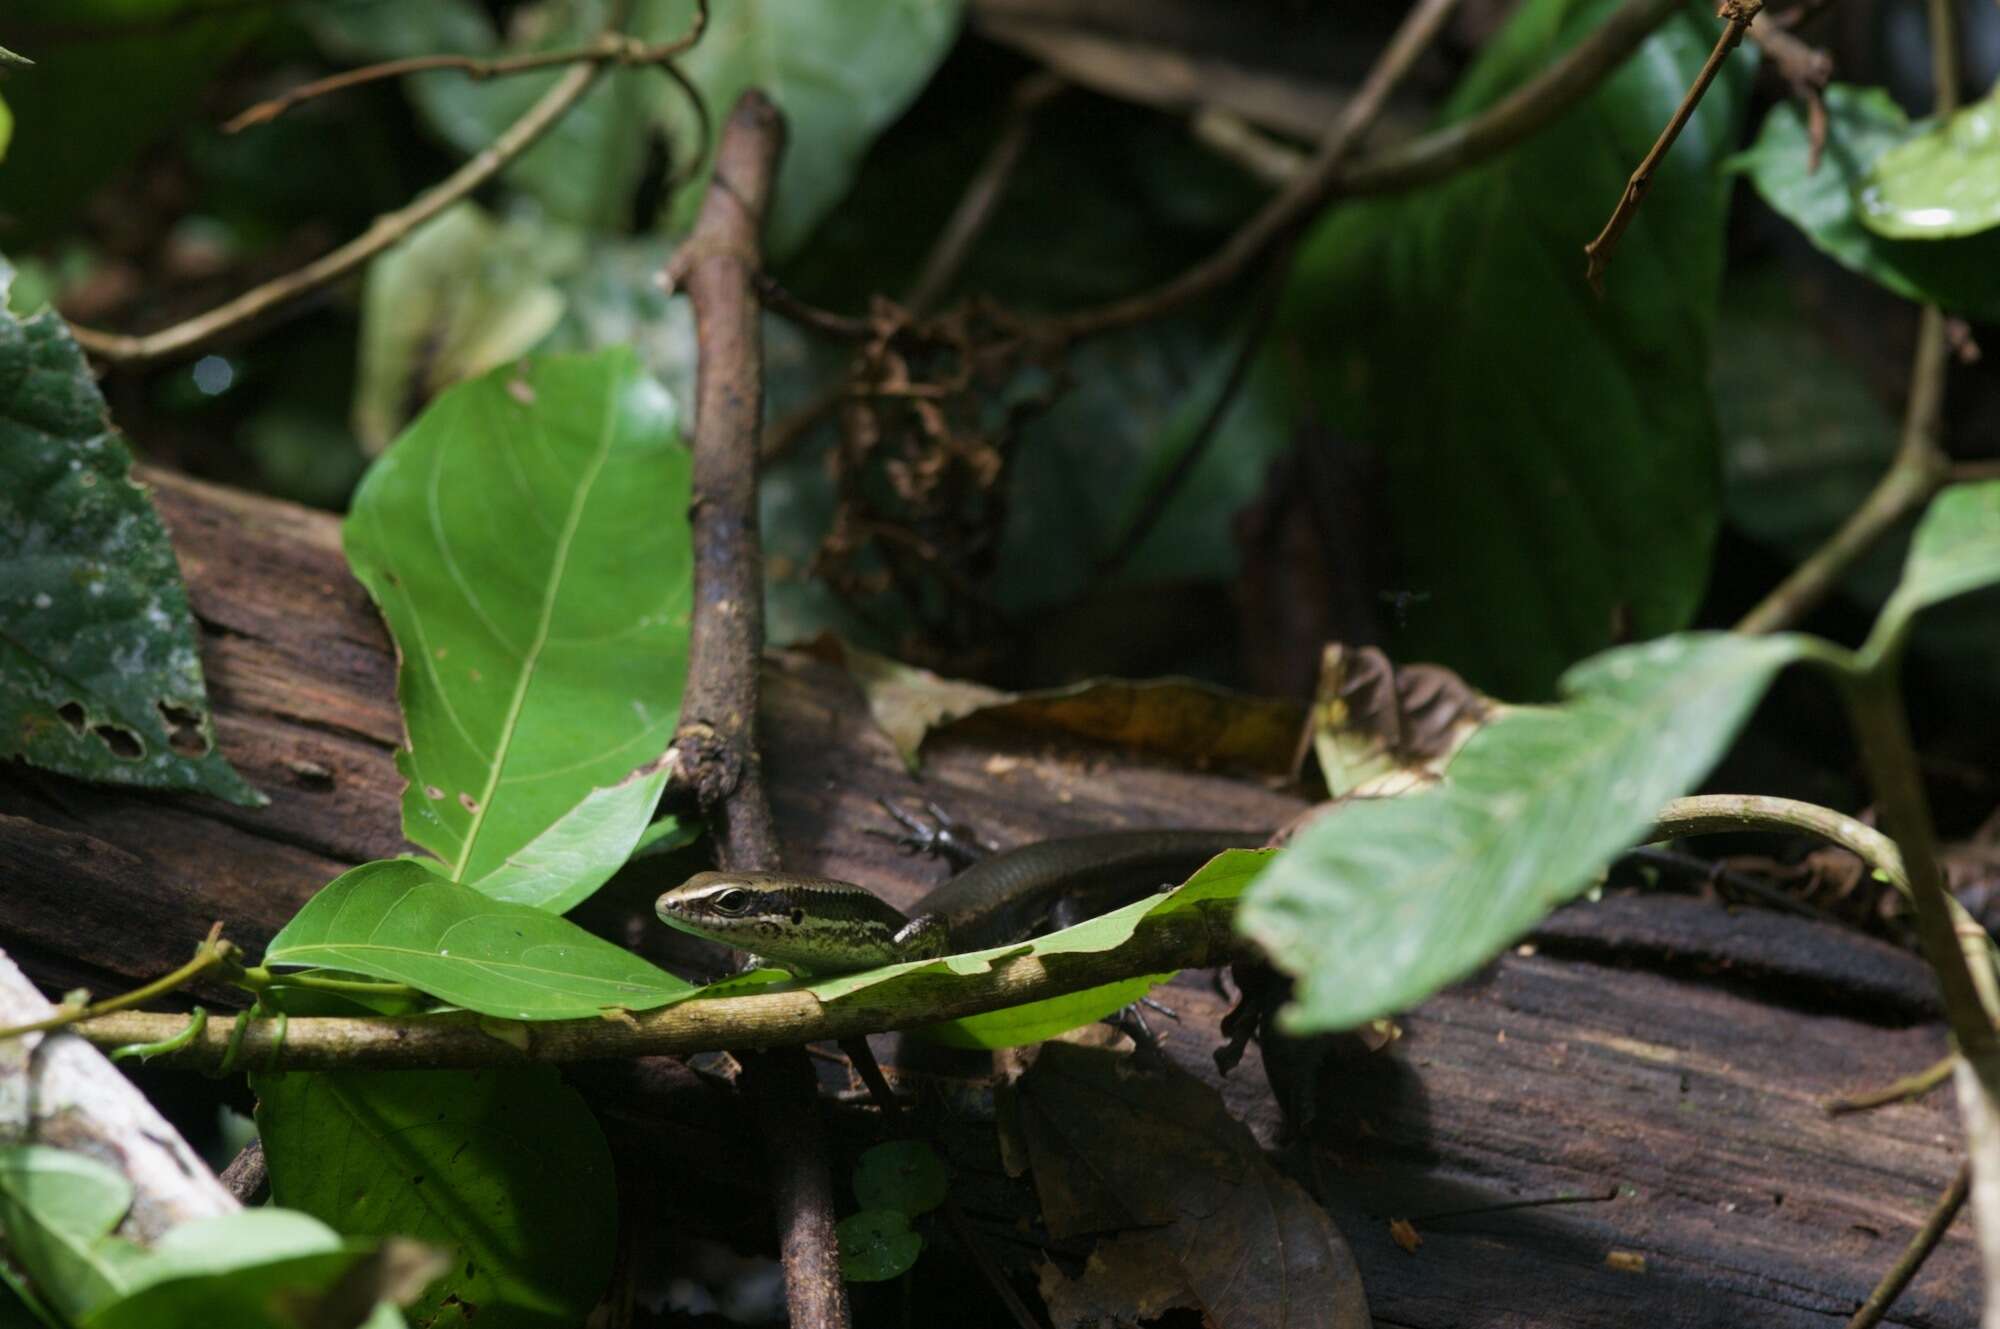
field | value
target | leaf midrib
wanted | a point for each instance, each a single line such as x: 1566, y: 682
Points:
x: 510, y: 724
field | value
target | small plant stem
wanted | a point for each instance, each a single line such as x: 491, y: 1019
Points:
x: 1876, y: 707
x: 147, y: 1051
x: 1740, y: 13
x: 1943, y: 18
x: 1914, y: 1255
x: 1896, y: 1091
x: 1722, y: 814
x: 258, y: 978
x: 1919, y: 467
x: 211, y: 953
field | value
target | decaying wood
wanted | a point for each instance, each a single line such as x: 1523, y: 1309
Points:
x: 1673, y: 1054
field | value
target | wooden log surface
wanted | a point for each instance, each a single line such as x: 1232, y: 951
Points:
x: 1657, y: 1047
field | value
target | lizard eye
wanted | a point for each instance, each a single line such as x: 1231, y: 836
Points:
x: 733, y: 901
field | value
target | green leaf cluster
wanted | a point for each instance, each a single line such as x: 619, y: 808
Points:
x: 895, y: 1184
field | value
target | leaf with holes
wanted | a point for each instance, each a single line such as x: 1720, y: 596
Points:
x: 527, y: 540
x: 99, y: 675
x: 398, y: 920
x: 1527, y: 427
x: 1381, y: 903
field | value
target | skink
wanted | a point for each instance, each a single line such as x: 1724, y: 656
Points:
x: 817, y: 925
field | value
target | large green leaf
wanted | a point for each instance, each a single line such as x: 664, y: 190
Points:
x: 1531, y: 430
x: 99, y: 675
x: 506, y: 1169
x: 57, y: 1211
x: 1956, y: 551
x: 1383, y: 902
x: 840, y: 73
x: 1943, y: 183
x: 1963, y: 275
x: 400, y: 921
x: 527, y: 540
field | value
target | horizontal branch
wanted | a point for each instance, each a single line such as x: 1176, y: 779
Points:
x: 608, y: 46
x: 1185, y: 939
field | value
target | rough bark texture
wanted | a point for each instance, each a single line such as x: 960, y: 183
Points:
x: 1663, y: 1047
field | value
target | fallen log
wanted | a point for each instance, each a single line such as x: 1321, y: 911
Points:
x: 1656, y: 1050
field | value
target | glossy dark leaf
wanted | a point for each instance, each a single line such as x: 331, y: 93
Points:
x: 1529, y: 428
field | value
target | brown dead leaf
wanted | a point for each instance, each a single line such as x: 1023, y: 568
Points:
x: 1173, y: 717
x: 1379, y: 731
x: 1191, y: 1212
x: 1404, y: 1234
x: 1625, y: 1262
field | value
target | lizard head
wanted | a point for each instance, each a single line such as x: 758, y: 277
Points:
x: 809, y: 925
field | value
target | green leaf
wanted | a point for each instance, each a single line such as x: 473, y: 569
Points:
x: 1955, y: 551
x: 1383, y: 902
x: 505, y: 1169
x: 840, y: 73
x: 459, y: 297
x: 918, y: 983
x: 99, y: 675
x: 1944, y: 182
x: 400, y: 921
x: 58, y: 1209
x: 1962, y: 275
x: 1527, y: 426
x: 6, y: 124
x: 527, y: 541
x: 259, y: 1269
x: 876, y: 1245
x: 904, y: 1175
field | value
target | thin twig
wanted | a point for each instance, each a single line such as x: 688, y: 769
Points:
x: 1185, y: 939
x: 606, y: 47
x: 1919, y: 468
x: 1288, y: 210
x: 1914, y: 1255
x: 212, y: 952
x: 995, y: 1276
x: 384, y: 231
x: 716, y: 745
x: 982, y: 193
x: 1508, y: 1206
x: 1806, y: 70
x: 1896, y: 1091
x: 1943, y: 19
x: 1740, y: 14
